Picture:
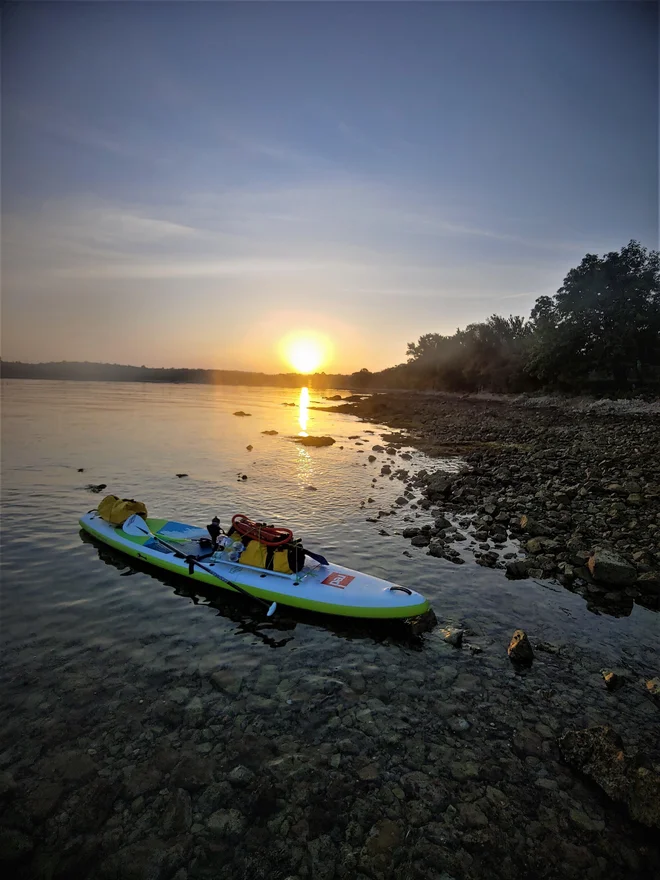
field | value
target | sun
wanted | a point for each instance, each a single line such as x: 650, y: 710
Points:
x: 305, y: 351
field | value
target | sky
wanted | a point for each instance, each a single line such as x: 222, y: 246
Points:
x: 184, y: 184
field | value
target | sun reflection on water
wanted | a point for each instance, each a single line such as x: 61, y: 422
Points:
x: 303, y: 405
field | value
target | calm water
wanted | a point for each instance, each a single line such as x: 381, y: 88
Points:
x: 103, y: 665
x: 137, y: 437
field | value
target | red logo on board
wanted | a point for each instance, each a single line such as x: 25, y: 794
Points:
x: 334, y: 579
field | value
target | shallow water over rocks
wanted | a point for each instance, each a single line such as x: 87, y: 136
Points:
x: 149, y: 732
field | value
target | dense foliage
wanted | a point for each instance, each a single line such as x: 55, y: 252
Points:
x: 601, y: 329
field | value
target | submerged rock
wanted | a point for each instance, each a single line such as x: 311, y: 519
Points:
x: 653, y: 689
x: 453, y: 636
x: 520, y: 650
x: 615, y: 678
x: 270, y: 433
x: 96, y: 488
x: 315, y: 441
x: 241, y: 413
x: 598, y: 752
x: 181, y: 476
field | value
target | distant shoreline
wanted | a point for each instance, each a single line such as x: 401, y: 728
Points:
x: 98, y: 372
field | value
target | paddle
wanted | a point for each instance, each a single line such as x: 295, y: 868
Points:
x: 137, y: 526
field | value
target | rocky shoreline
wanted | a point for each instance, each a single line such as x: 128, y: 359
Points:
x: 579, y: 490
x: 346, y: 756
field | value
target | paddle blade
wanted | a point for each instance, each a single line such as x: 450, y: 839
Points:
x: 271, y: 610
x: 317, y: 556
x: 135, y: 525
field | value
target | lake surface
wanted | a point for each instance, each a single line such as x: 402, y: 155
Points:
x: 87, y: 639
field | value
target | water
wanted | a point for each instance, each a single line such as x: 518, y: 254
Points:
x: 80, y: 619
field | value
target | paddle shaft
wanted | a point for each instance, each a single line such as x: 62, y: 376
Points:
x: 208, y: 570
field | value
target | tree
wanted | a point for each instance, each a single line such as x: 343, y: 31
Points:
x: 604, y: 319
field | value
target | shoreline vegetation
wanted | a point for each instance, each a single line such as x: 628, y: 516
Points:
x: 599, y: 334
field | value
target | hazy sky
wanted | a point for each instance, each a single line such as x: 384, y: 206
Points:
x: 185, y: 183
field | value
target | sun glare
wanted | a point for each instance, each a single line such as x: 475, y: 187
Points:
x: 305, y: 352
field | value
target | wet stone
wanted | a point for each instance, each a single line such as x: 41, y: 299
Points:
x: 226, y: 823
x: 520, y: 650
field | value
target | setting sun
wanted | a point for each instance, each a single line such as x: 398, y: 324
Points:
x: 305, y: 351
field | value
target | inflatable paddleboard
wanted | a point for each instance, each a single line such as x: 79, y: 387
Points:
x: 331, y: 588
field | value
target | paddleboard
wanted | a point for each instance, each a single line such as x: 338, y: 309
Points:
x: 331, y: 589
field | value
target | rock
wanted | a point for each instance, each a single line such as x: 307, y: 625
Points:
x: 437, y: 547
x: 598, y: 753
x: 193, y: 712
x: 241, y: 413
x: 249, y: 447
x: 649, y: 581
x: 615, y: 678
x: 240, y: 776
x: 520, y: 650
x: 371, y: 458
x: 369, y: 773
x: 384, y: 837
x: 192, y: 771
x: 94, y: 805
x: 385, y: 470
x: 270, y: 433
x: 227, y: 680
x: 140, y: 780
x: 420, y: 541
x: 226, y: 823
x: 378, y: 448
x: 390, y: 450
x: 607, y: 568
x: 8, y: 786
x: 453, y: 636
x: 411, y: 532
x: 541, y: 545
x: 584, y: 822
x: 438, y: 486
x: 81, y: 470
x: 315, y: 441
x: 653, y: 689
x: 177, y: 815
x: 533, y: 528
x: 472, y: 816
x: 401, y: 500
x: 148, y: 859
x: 517, y: 570
x: 215, y: 796
x: 74, y: 766
x: 181, y: 476
x: 96, y: 488
x: 14, y: 846
x: 528, y: 742
x: 311, y: 488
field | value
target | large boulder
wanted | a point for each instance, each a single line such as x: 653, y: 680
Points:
x: 598, y: 752
x: 608, y: 568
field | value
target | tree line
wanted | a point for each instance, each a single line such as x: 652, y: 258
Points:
x: 601, y: 330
